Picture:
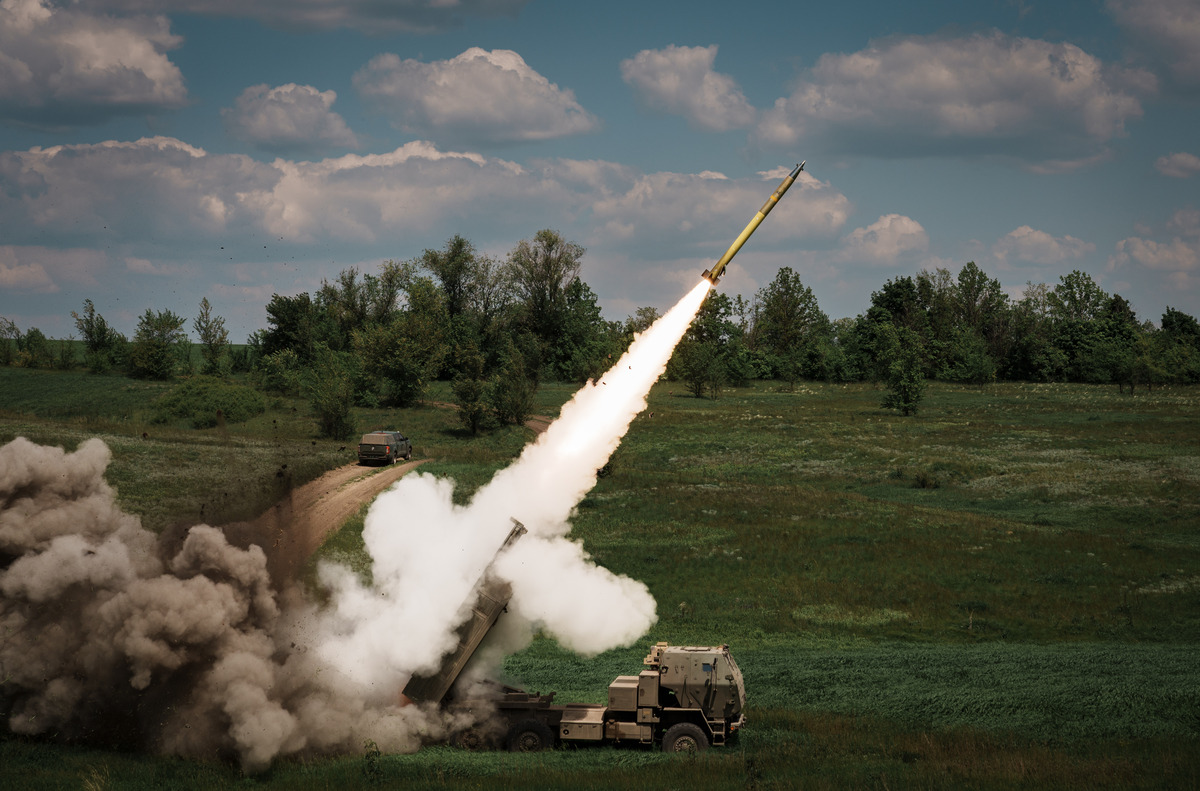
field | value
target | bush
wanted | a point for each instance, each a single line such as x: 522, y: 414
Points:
x: 206, y: 401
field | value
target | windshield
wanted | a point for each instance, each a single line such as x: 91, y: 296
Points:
x: 375, y: 439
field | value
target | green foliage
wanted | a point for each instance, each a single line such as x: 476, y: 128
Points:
x: 702, y: 360
x: 540, y: 271
x: 214, y: 340
x: 967, y: 359
x: 406, y: 353
x: 329, y: 384
x: 1030, y: 622
x: 789, y: 327
x: 512, y: 390
x: 33, y: 350
x: 470, y: 393
x: 158, y: 345
x: 104, y: 347
x: 281, y: 372
x: 905, y: 382
x: 207, y: 402
x: 8, y: 340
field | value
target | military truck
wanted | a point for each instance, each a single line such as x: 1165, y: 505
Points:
x: 685, y: 699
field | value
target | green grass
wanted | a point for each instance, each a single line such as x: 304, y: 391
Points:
x: 1002, y: 591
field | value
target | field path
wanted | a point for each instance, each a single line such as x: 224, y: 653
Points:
x: 295, y: 527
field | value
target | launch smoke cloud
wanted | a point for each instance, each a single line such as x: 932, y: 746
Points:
x: 113, y: 635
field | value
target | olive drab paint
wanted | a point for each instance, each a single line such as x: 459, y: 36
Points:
x: 714, y: 274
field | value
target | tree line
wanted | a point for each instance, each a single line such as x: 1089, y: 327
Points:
x: 497, y: 328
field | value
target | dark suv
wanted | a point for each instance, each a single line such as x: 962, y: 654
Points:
x: 384, y: 447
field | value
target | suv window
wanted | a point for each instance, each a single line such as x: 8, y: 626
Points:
x: 376, y: 439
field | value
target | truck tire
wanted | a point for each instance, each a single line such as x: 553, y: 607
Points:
x: 684, y: 737
x: 530, y: 736
x: 471, y: 739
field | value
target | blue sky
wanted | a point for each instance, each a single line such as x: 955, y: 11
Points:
x: 153, y: 153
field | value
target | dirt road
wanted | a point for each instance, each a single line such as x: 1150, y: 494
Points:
x: 297, y: 525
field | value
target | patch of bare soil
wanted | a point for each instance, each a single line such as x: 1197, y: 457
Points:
x: 539, y: 423
x: 295, y: 527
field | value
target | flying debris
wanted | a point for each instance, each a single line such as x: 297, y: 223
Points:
x: 714, y: 274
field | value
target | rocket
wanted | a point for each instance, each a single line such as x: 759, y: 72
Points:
x: 718, y: 269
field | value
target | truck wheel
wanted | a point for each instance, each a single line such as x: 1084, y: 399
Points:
x: 530, y: 736
x: 684, y: 737
x: 470, y: 739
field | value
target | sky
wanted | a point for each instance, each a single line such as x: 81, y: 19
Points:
x: 157, y: 152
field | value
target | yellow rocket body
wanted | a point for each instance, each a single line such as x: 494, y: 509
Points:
x: 718, y: 269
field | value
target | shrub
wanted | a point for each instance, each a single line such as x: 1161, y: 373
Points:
x: 206, y: 401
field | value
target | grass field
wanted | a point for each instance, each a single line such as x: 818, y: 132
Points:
x: 1000, y: 592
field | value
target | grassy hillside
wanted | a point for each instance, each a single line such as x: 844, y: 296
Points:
x: 1002, y: 591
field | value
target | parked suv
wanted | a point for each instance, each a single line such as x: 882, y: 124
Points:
x: 384, y: 447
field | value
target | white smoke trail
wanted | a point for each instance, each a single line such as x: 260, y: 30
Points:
x: 110, y: 634
x: 428, y: 553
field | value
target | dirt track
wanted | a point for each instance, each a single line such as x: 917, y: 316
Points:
x: 297, y: 525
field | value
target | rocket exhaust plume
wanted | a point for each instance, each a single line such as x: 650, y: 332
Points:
x: 110, y: 634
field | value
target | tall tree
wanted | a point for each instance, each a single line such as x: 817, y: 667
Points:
x: 8, y: 339
x: 406, y: 352
x: 789, y: 326
x: 1076, y: 305
x: 456, y: 268
x: 103, y: 346
x: 540, y: 270
x: 701, y: 360
x: 157, y: 345
x: 214, y: 338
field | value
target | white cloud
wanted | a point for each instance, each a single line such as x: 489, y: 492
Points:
x: 681, y: 81
x: 1028, y: 244
x: 17, y: 276
x: 1177, y: 259
x: 288, y: 118
x: 369, y: 16
x: 34, y: 269
x: 982, y: 94
x: 478, y: 97
x: 711, y: 210
x: 61, y: 67
x: 885, y: 241
x: 156, y: 186
x: 1178, y: 165
x: 1168, y: 32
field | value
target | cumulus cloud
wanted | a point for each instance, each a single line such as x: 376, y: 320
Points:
x: 34, y: 269
x: 1028, y: 244
x: 16, y: 276
x: 681, y: 81
x: 125, y: 189
x: 981, y: 94
x: 287, y: 118
x: 368, y: 16
x: 885, y: 241
x: 1175, y: 255
x: 183, y: 197
x: 1179, y: 165
x: 709, y: 207
x: 62, y: 66
x: 481, y: 97
x: 1167, y: 33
